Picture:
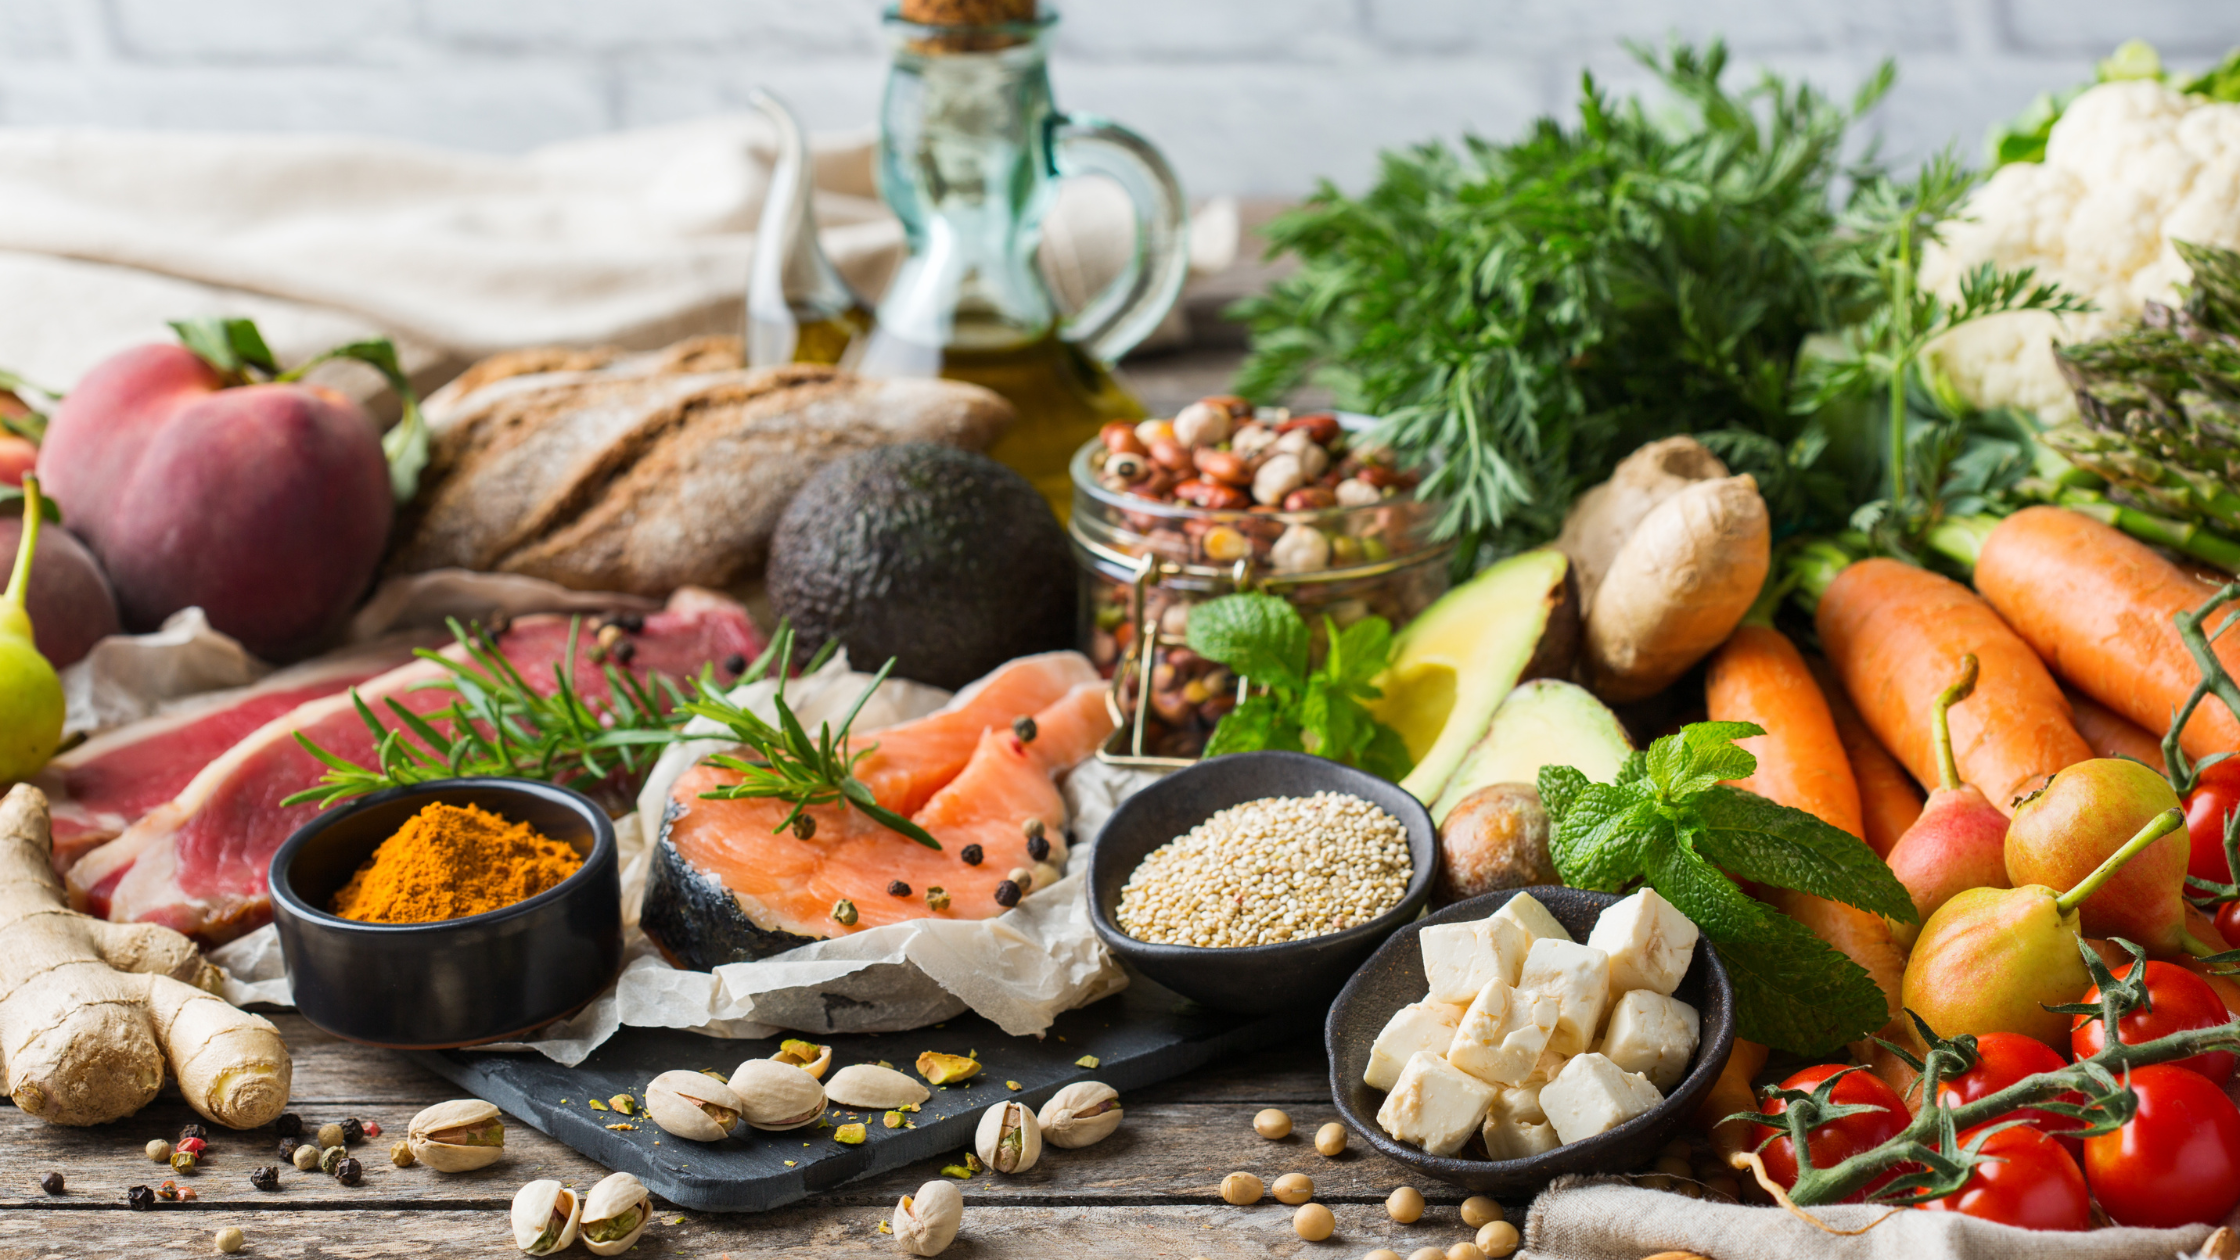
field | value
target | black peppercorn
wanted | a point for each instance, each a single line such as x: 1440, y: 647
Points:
x: 353, y: 1131
x: 1007, y: 894
x: 1023, y: 727
x: 51, y: 1183
x: 140, y: 1198
x: 349, y: 1171
x: 1038, y: 848
x: 633, y: 622
x: 804, y: 827
x: 288, y: 1125
x: 971, y: 855
x: 896, y: 888
x: 288, y: 1146
x: 735, y: 664
x: 265, y: 1178
x: 194, y: 1131
x: 624, y: 652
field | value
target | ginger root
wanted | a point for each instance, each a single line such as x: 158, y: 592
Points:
x: 92, y: 1013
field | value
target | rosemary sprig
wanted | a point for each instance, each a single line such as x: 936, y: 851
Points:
x: 500, y: 725
x: 791, y: 766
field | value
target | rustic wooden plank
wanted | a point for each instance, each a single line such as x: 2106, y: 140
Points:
x: 990, y: 1233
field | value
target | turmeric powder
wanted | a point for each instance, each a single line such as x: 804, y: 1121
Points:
x: 450, y: 861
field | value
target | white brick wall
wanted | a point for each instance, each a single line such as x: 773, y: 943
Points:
x: 1248, y: 96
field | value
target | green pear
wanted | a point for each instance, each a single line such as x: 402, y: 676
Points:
x: 30, y: 693
x: 2068, y: 828
x: 1992, y: 959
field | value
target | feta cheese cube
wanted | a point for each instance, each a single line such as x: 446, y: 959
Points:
x: 1519, y: 922
x: 1426, y: 1026
x: 1514, y: 1136
x: 1435, y: 1105
x: 1458, y: 959
x: 1548, y: 1068
x: 1654, y: 1035
x: 1503, y: 1033
x: 1593, y: 1095
x: 1522, y: 1102
x: 1649, y: 942
x: 1579, y: 976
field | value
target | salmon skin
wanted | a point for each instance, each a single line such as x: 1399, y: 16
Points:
x: 725, y: 886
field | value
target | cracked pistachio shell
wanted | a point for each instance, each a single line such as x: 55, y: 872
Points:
x: 1009, y: 1140
x: 777, y: 1097
x: 806, y: 1055
x: 606, y: 1205
x: 545, y: 1216
x: 443, y: 1136
x: 1082, y: 1114
x: 874, y: 1088
x: 693, y: 1105
x: 926, y: 1223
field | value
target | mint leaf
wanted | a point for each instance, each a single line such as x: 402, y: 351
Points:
x: 1794, y: 991
x: 1559, y: 786
x: 1711, y: 901
x: 1607, y: 832
x: 1257, y: 722
x: 1258, y: 636
x: 1634, y: 770
x: 1753, y: 838
x: 1703, y: 753
x: 1359, y: 653
x: 1387, y: 755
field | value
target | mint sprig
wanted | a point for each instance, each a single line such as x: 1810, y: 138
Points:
x: 1316, y: 710
x: 1670, y: 821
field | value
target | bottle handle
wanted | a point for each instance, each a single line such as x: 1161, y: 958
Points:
x: 1115, y: 320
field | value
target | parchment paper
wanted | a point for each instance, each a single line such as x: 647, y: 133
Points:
x: 1019, y: 970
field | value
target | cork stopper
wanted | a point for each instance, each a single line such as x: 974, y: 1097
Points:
x: 967, y: 13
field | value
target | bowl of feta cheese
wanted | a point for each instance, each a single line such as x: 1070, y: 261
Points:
x: 1516, y: 1037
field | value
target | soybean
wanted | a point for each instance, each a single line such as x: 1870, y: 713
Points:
x: 1478, y: 1210
x: 1330, y: 1140
x: 1498, y: 1239
x: 1313, y: 1222
x: 1240, y: 1188
x: 1294, y: 1189
x: 1405, y: 1205
x: 1272, y: 1124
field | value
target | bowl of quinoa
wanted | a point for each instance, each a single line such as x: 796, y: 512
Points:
x: 1258, y: 882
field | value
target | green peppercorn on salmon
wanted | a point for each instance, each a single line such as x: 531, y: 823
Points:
x: 727, y: 886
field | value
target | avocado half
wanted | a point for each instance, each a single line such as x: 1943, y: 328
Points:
x: 944, y: 560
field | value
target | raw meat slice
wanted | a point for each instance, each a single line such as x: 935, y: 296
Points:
x: 198, y: 863
x: 109, y: 782
x: 724, y: 886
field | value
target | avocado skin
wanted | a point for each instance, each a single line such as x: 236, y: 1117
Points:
x: 945, y: 560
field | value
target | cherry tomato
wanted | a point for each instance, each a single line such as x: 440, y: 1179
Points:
x: 2027, y: 1180
x: 2177, y: 1162
x: 2215, y: 794
x: 2228, y: 923
x: 1837, y: 1140
x: 2181, y: 1000
x: 2002, y: 1058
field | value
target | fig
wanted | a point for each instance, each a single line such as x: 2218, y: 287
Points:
x: 71, y: 605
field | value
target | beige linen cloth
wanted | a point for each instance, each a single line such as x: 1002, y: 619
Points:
x: 1580, y: 1218
x: 634, y: 238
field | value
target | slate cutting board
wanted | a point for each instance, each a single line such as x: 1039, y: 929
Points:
x: 1139, y: 1036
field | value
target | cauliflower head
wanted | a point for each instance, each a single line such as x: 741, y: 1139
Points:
x: 2130, y: 167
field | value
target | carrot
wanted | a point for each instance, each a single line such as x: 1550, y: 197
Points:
x: 1892, y: 632
x: 2096, y: 604
x: 1759, y: 676
x: 2110, y: 733
x: 1731, y: 1093
x: 1889, y: 799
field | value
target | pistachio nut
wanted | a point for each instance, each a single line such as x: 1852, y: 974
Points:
x: 693, y: 1105
x: 926, y: 1223
x: 776, y: 1097
x: 615, y: 1212
x: 1010, y: 1140
x: 806, y: 1055
x: 545, y: 1216
x: 947, y: 1069
x: 456, y: 1136
x: 874, y: 1088
x: 1082, y: 1114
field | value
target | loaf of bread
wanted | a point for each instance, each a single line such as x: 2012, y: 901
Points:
x: 643, y: 473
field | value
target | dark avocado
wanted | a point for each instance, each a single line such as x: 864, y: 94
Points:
x: 945, y: 560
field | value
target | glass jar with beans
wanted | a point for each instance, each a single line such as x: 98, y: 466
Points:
x: 1224, y: 497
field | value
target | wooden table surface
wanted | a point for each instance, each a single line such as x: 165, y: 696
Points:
x: 1149, y: 1191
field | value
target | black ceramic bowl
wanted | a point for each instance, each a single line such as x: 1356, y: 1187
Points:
x: 1394, y: 978
x: 486, y: 977
x: 1256, y: 979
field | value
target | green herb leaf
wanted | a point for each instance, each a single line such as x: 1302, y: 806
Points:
x: 1752, y: 838
x: 1259, y: 636
x: 406, y: 443
x: 230, y: 345
x: 1607, y: 835
x: 1559, y: 787
x: 1257, y: 722
x: 1793, y: 990
x: 1702, y: 754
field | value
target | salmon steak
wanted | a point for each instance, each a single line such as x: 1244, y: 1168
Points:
x: 728, y: 885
